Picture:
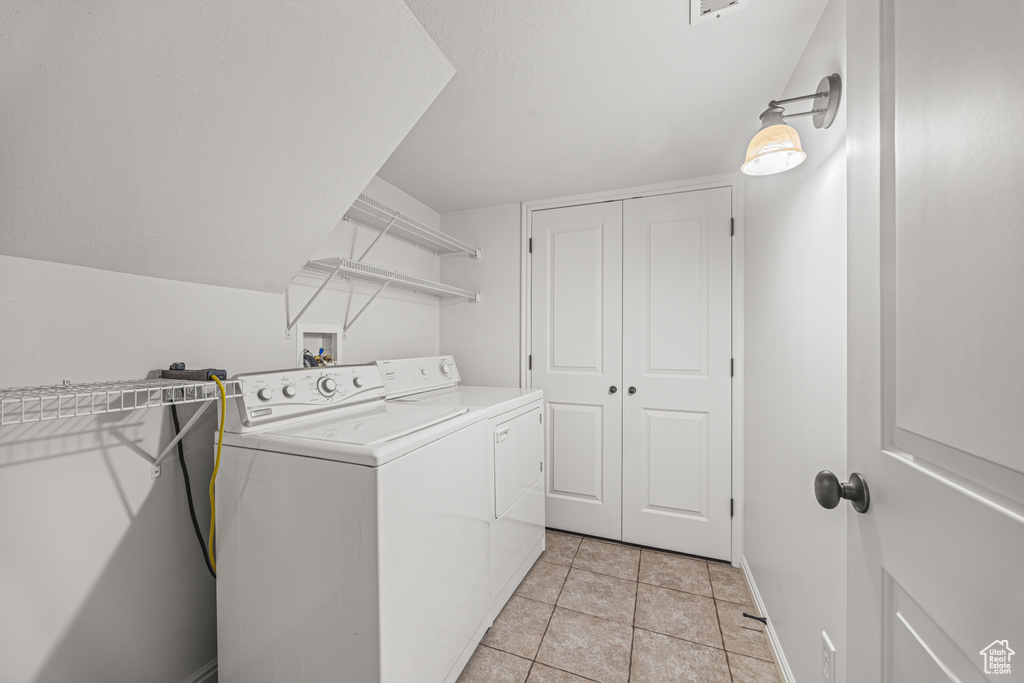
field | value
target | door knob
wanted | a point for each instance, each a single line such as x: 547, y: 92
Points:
x: 612, y: 389
x: 631, y: 390
x: 829, y: 491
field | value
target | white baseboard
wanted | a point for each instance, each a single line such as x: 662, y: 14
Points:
x: 203, y: 674
x: 780, y: 658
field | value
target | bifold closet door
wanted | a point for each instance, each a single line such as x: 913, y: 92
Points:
x: 677, y: 342
x: 577, y: 361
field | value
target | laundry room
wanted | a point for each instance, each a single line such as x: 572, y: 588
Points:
x: 419, y: 341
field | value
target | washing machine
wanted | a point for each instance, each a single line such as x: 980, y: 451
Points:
x: 515, y: 458
x: 352, y: 533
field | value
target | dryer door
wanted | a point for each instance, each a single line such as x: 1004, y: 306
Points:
x: 518, y: 458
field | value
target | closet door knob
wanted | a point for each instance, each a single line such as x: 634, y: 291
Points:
x: 631, y: 390
x: 612, y: 389
x: 829, y: 491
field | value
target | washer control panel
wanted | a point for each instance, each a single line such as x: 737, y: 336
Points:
x: 270, y: 396
x: 413, y: 375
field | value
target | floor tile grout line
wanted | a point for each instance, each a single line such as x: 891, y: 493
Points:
x: 548, y: 625
x: 650, y: 630
x: 678, y: 590
x: 601, y: 573
x: 625, y: 544
x: 632, y: 640
x: 685, y: 640
x: 721, y: 633
x: 566, y: 671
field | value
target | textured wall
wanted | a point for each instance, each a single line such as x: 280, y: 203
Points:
x: 205, y: 142
x: 101, y: 578
x: 484, y: 336
x: 795, y: 383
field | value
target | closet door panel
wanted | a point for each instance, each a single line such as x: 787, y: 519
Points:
x: 577, y: 357
x: 677, y: 342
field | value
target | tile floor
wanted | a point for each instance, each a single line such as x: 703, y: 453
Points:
x: 601, y: 611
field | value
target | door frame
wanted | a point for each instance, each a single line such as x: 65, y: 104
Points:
x: 734, y: 181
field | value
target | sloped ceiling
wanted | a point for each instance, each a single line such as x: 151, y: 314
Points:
x: 574, y: 96
x: 211, y: 142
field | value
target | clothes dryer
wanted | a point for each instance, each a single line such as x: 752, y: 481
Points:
x: 514, y: 452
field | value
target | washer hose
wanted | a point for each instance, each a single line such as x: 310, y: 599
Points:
x: 216, y: 466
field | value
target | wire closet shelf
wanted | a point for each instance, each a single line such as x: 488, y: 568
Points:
x: 40, y: 404
x: 375, y: 215
x: 354, y: 270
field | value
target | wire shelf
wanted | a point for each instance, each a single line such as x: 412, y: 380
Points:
x: 375, y: 215
x: 39, y: 404
x: 347, y: 269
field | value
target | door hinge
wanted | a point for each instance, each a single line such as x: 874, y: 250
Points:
x: 732, y: 507
x: 531, y: 245
x: 540, y: 418
x: 541, y: 465
x: 732, y: 367
x: 529, y: 362
x: 732, y: 226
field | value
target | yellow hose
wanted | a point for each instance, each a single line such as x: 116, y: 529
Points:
x: 216, y: 466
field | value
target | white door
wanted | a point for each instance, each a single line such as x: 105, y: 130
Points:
x: 577, y: 358
x: 936, y: 341
x: 676, y: 358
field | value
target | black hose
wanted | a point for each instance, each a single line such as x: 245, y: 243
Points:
x: 188, y: 493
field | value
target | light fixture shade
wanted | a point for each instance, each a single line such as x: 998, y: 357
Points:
x: 774, y: 149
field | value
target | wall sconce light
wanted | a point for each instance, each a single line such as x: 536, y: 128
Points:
x: 776, y: 147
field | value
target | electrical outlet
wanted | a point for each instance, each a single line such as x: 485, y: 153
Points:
x: 828, y: 659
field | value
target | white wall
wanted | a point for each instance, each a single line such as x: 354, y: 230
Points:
x: 484, y: 336
x: 102, y: 578
x: 196, y: 141
x: 398, y: 324
x: 795, y: 382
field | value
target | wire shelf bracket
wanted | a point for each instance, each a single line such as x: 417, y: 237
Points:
x: 375, y: 215
x: 343, y: 269
x: 25, y: 405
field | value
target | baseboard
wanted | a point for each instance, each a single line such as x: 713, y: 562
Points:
x: 203, y: 674
x: 780, y: 657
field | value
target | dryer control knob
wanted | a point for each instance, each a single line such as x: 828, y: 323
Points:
x: 358, y: 381
x: 446, y: 369
x: 265, y: 393
x: 424, y: 371
x: 327, y: 386
x: 288, y: 391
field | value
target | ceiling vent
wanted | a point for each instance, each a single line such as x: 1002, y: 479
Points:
x: 709, y: 10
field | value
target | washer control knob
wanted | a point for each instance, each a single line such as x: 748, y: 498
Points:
x: 327, y: 386
x: 288, y: 391
x: 446, y: 369
x: 358, y: 381
x: 265, y: 394
x: 423, y: 371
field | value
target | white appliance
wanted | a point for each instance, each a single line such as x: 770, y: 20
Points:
x: 353, y: 534
x: 515, y: 458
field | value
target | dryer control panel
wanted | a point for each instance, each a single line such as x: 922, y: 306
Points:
x: 271, y: 396
x: 413, y: 375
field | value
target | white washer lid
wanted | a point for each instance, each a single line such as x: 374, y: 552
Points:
x: 372, y: 436
x: 384, y: 422
x: 494, y: 399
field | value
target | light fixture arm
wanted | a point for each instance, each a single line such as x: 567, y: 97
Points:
x: 830, y: 91
x: 775, y: 103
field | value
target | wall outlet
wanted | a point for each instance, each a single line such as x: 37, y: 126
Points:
x: 828, y: 659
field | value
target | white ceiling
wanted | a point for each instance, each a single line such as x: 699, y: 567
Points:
x: 557, y: 98
x: 211, y: 142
